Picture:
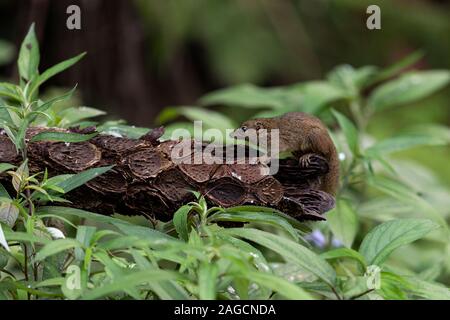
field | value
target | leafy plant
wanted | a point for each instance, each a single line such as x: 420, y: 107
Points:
x: 48, y: 250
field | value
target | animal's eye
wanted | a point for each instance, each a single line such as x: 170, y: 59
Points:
x: 244, y: 128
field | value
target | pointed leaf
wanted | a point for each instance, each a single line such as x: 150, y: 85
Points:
x: 350, y: 131
x: 379, y: 243
x: 47, y: 74
x: 259, y: 217
x: 344, y: 253
x: 207, y: 280
x: 57, y: 246
x: 81, y: 178
x: 28, y: 61
x: 63, y: 136
x: 278, y: 284
x: 130, y: 281
x: 343, y: 222
x: 8, y: 213
x: 289, y: 250
x: 180, y: 222
x: 408, y: 88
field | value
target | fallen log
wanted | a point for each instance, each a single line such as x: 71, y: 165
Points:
x: 146, y: 179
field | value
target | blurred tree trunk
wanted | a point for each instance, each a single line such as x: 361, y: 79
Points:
x: 113, y: 76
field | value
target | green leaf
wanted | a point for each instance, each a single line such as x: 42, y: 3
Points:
x: 145, y: 233
x: 345, y: 253
x: 394, y: 69
x: 207, y: 280
x: 259, y: 217
x: 73, y: 212
x: 117, y: 128
x: 343, y: 222
x: 81, y: 178
x: 317, y: 94
x: 165, y: 290
x: 47, y: 74
x: 409, y: 197
x: 140, y: 232
x: 408, y: 88
x: 169, y: 290
x: 270, y: 211
x: 211, y: 119
x: 180, y: 221
x: 9, y: 90
x: 438, y: 134
x: 8, y: 213
x: 130, y: 281
x: 246, y: 95
x: 51, y: 282
x: 46, y: 105
x: 364, y: 76
x: 258, y: 258
x: 63, y: 136
x: 114, y: 269
x: 73, y: 115
x: 19, y: 139
x: 55, y: 247
x: 4, y: 193
x: 28, y: 61
x: 84, y: 236
x: 393, y: 286
x: 344, y: 77
x: 350, y: 131
x: 289, y: 250
x: 278, y: 284
x: 24, y: 237
x: 381, y: 241
x: 20, y: 175
x: 401, y: 143
x: 6, y: 166
x: 429, y: 290
x: 123, y: 242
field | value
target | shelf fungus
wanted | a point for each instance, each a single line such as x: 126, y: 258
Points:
x: 147, y: 180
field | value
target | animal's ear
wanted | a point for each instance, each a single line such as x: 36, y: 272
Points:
x: 259, y: 125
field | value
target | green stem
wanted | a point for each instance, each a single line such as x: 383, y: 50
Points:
x: 361, y: 294
x: 335, y: 293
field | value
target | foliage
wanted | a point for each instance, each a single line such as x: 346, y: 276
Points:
x: 92, y: 256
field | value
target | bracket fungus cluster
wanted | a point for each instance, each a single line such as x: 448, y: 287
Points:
x: 145, y: 180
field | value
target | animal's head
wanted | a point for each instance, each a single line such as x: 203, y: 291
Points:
x: 255, y: 124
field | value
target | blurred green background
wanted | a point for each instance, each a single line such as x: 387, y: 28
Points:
x: 153, y: 62
x: 146, y: 55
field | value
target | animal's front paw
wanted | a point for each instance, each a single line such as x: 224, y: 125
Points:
x: 306, y: 160
x: 313, y: 164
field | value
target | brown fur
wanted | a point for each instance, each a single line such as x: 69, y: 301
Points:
x: 304, y: 133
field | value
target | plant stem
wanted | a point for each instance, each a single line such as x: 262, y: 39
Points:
x: 335, y: 293
x: 8, y: 272
x: 25, y: 251
x: 361, y: 294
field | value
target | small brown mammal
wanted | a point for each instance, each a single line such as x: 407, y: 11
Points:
x: 305, y: 134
